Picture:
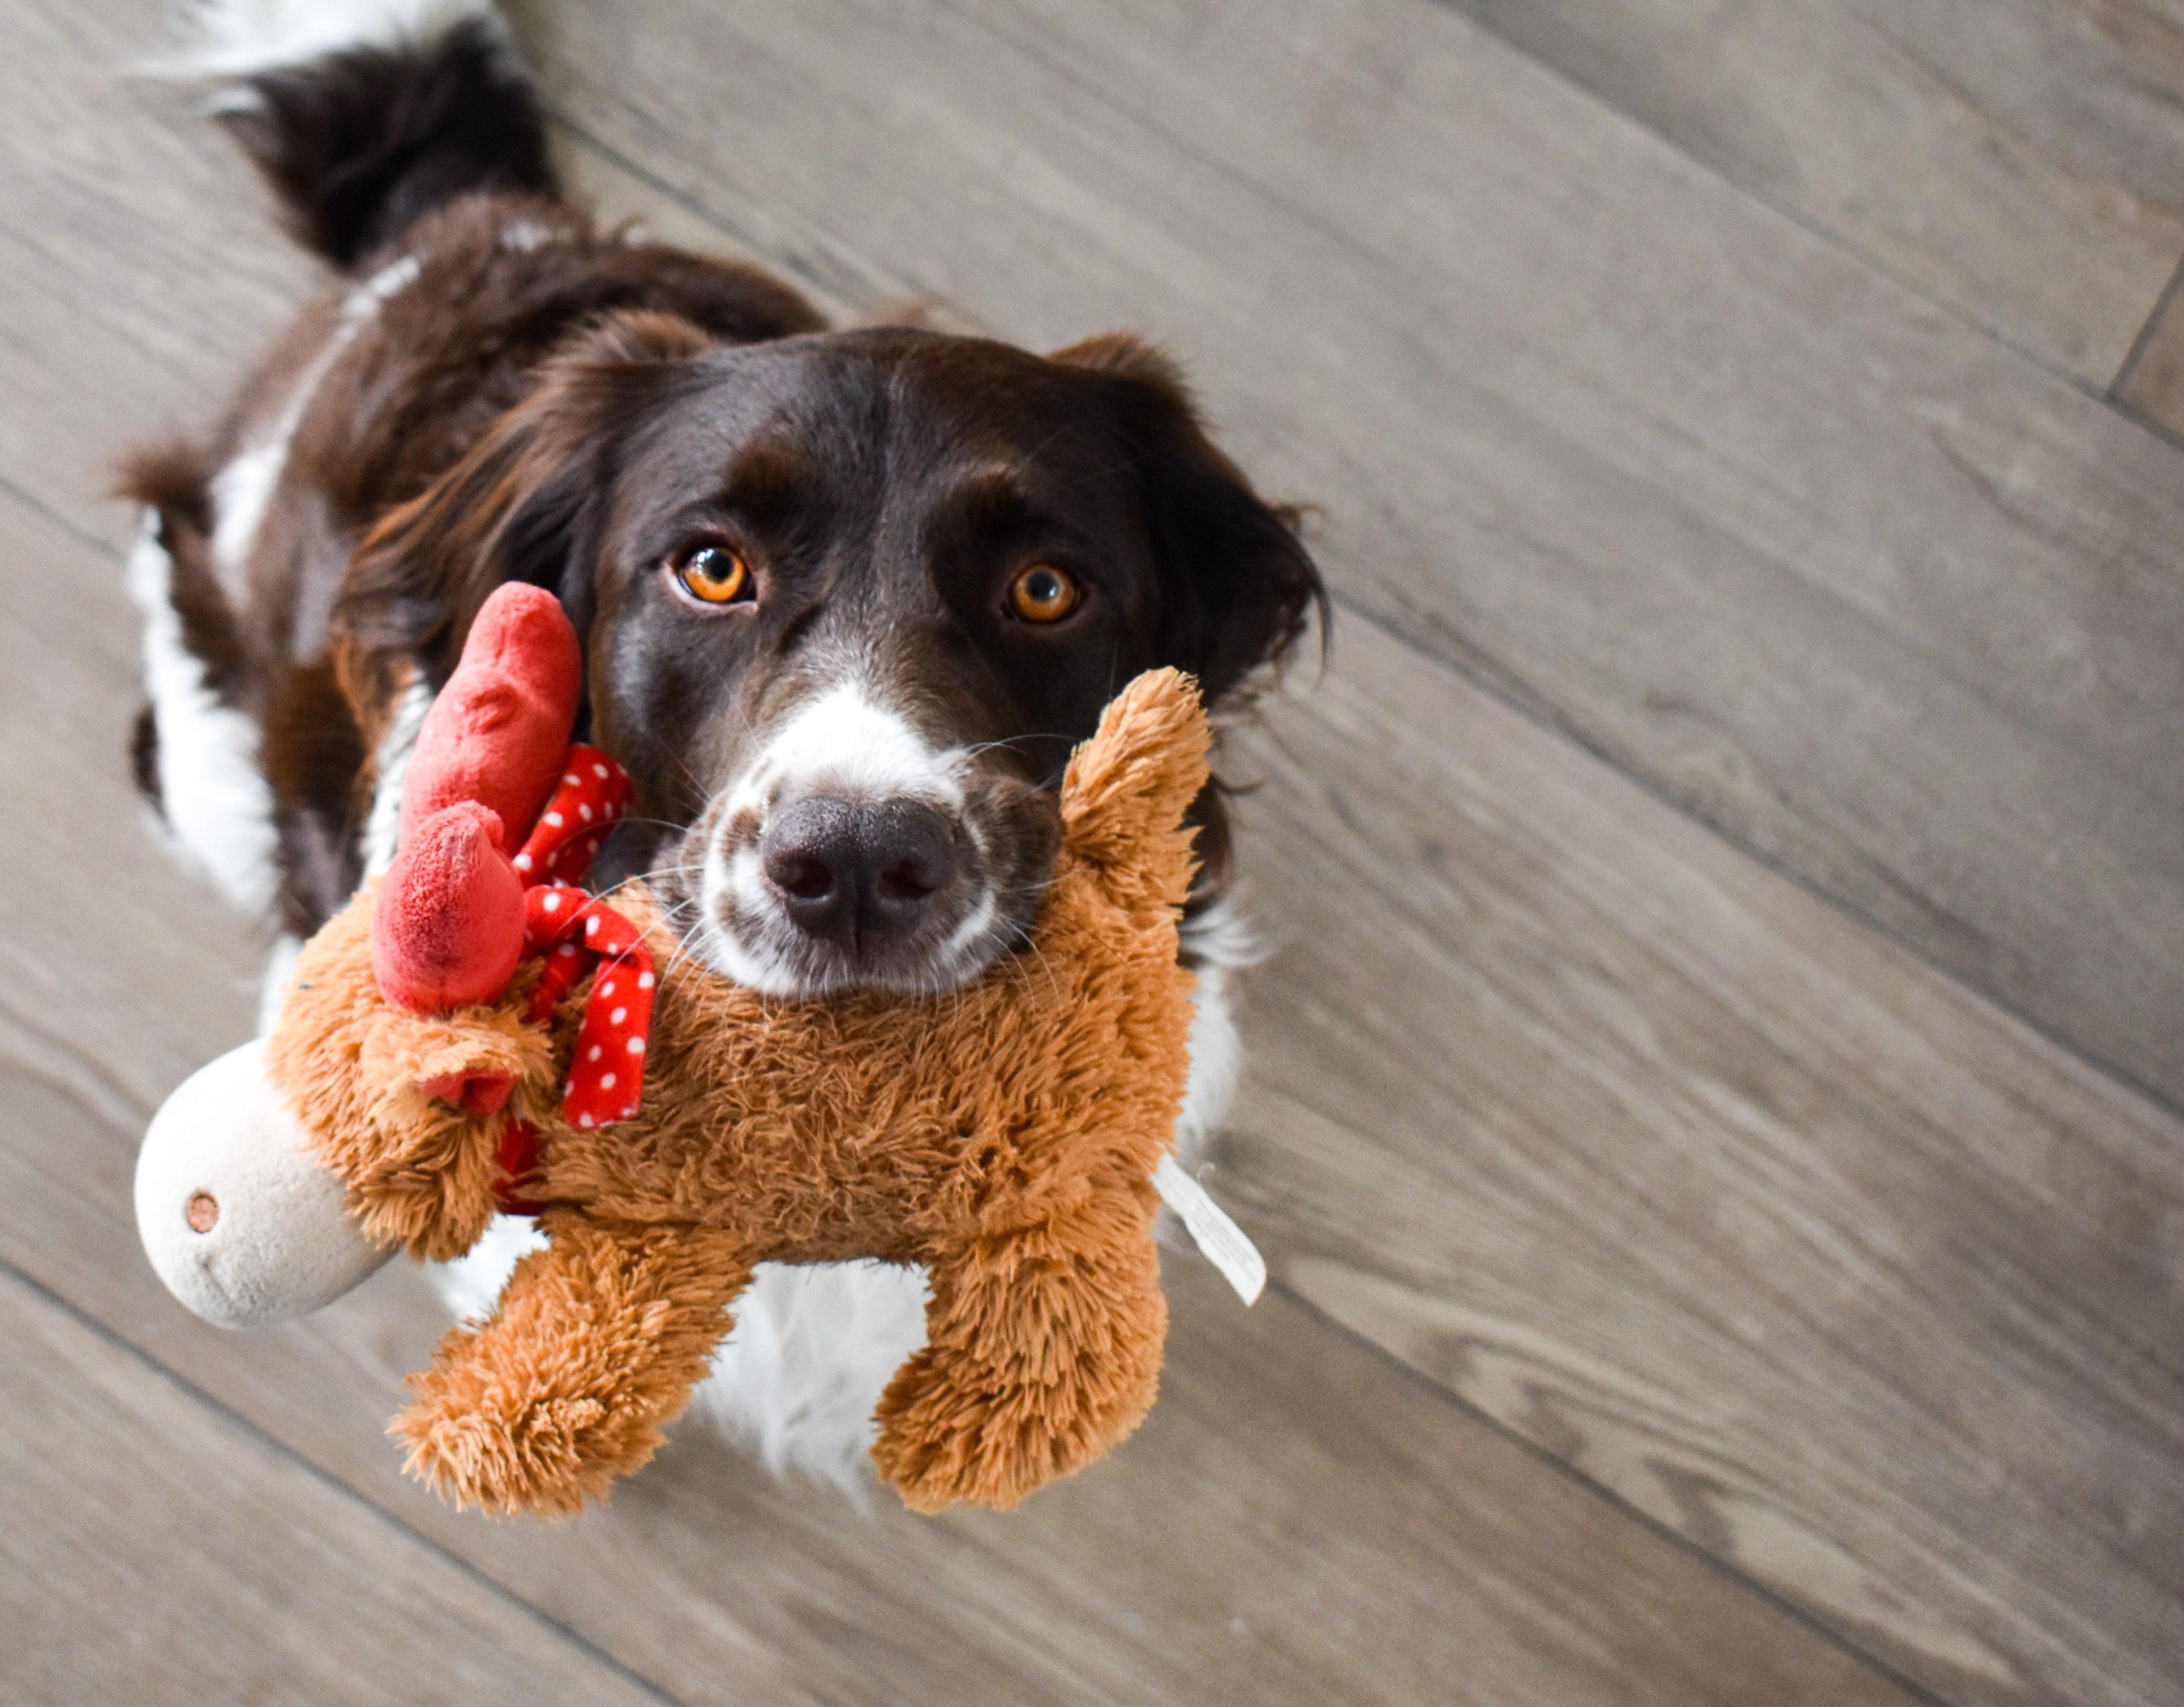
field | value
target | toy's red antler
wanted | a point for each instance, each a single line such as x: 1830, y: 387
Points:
x: 498, y: 729
x: 449, y: 927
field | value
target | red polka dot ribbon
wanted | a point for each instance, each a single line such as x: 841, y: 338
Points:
x: 593, y: 796
x: 576, y: 932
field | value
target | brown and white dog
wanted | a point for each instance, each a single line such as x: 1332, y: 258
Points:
x: 847, y: 597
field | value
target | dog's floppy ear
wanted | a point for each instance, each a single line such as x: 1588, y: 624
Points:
x: 521, y: 505
x: 1236, y: 582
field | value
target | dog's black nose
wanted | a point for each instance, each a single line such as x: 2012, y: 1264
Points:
x: 858, y: 875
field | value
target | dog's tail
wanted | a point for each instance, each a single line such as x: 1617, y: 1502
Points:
x: 364, y: 114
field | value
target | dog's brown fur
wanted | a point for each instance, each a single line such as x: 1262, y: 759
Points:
x: 1003, y: 1135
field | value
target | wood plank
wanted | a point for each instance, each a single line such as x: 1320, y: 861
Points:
x: 1864, y: 589
x: 152, y: 1550
x: 2018, y: 161
x: 1299, y: 1520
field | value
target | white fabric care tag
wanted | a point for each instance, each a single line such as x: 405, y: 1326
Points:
x: 1224, y: 1243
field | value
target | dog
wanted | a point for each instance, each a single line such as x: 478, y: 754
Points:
x: 848, y: 596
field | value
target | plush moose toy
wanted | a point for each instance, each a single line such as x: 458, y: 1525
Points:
x: 473, y: 1033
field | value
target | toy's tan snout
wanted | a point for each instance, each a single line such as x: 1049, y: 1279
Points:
x: 240, y: 1220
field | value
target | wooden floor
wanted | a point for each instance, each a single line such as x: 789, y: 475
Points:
x: 1717, y: 1117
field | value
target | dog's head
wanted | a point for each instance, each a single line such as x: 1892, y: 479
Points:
x: 848, y: 600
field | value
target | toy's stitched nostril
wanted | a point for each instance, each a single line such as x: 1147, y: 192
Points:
x: 201, y: 1211
x: 482, y: 1092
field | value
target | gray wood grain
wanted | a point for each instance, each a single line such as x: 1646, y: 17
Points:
x: 154, y: 1551
x: 1873, y: 594
x: 1795, y: 1244
x: 1299, y: 1521
x: 2020, y: 161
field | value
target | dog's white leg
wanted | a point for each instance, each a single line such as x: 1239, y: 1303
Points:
x: 813, y: 1347
x: 214, y: 799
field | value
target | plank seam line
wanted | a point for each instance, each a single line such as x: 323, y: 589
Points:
x: 2089, y: 389
x: 2143, y: 339
x: 831, y: 297
x: 1713, y: 1563
x: 74, y: 530
x: 2167, y: 435
x: 325, y: 1478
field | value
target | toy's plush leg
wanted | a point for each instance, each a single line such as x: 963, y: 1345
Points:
x: 597, y: 1343
x: 1043, y: 1351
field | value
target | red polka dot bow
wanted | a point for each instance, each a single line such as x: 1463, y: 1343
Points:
x: 576, y: 932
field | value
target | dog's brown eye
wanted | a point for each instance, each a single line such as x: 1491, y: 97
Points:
x: 1041, y: 594
x: 714, y: 575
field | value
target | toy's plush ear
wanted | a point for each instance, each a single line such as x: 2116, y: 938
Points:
x: 1126, y: 789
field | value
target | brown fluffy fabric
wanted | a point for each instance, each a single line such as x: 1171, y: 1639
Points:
x: 1003, y: 1135
x: 419, y: 1172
